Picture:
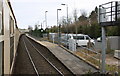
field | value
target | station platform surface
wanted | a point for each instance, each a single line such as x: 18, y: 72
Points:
x: 73, y: 63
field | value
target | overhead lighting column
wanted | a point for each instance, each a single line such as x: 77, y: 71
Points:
x: 58, y: 26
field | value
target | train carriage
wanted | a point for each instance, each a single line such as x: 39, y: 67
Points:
x: 9, y: 35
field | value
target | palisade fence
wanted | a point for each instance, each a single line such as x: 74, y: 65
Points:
x: 90, y: 53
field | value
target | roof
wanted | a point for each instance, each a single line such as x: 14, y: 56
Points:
x: 12, y: 12
x: 77, y: 34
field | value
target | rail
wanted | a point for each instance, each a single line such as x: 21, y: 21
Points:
x: 31, y: 60
x: 46, y: 59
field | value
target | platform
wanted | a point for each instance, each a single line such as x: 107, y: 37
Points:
x: 76, y: 65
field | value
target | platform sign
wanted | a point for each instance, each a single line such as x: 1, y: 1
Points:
x: 102, y: 17
x: 118, y: 8
x: 109, y: 14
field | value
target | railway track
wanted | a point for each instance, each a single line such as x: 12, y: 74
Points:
x: 42, y: 60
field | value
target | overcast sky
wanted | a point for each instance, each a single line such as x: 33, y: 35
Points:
x: 31, y: 12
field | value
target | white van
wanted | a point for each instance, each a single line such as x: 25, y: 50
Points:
x: 81, y: 39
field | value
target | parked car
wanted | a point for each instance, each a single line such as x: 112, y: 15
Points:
x: 99, y: 39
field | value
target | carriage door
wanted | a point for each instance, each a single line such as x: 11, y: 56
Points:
x: 11, y: 40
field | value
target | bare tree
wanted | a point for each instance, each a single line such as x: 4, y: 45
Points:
x: 83, y: 13
x: 63, y: 21
x: 36, y: 27
x: 75, y: 14
x: 75, y: 19
x: 30, y: 28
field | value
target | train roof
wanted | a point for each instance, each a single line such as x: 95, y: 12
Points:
x: 9, y: 3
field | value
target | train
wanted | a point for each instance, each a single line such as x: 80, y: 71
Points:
x: 9, y: 37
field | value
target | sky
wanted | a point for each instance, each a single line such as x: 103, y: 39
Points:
x: 32, y: 12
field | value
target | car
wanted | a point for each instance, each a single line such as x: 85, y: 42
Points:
x: 99, y: 39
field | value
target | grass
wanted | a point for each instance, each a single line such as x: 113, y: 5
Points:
x: 90, y: 59
x: 110, y: 68
x: 109, y: 51
x: 83, y: 53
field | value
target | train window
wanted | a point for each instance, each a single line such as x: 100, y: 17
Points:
x: 1, y: 58
x: 0, y: 24
x: 1, y: 28
x: 11, y: 25
x: 11, y: 49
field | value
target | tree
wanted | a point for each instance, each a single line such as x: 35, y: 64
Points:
x: 63, y: 21
x: 75, y: 14
x: 30, y: 28
x: 96, y: 9
x: 94, y: 15
x: 81, y: 25
x: 36, y: 27
x: 69, y: 20
x: 83, y: 16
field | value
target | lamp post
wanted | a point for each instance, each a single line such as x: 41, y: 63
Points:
x: 58, y: 26
x: 43, y: 23
x: 46, y: 23
x: 66, y: 10
x: 46, y: 18
x: 67, y: 18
